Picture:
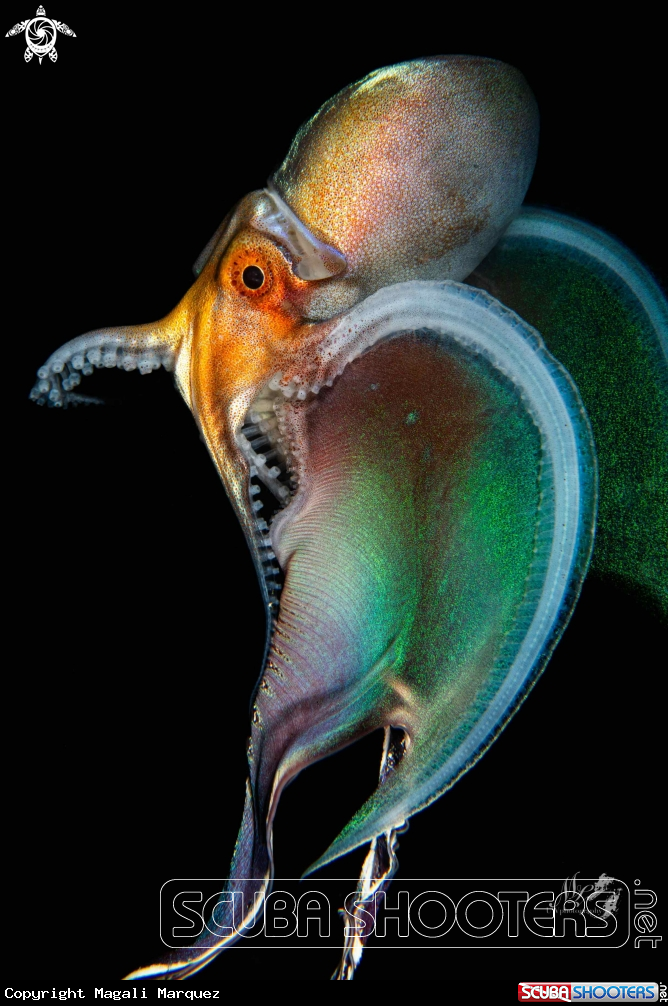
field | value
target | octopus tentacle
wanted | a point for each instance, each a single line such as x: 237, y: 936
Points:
x: 145, y: 348
x: 141, y: 348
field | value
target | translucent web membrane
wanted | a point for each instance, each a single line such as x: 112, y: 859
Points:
x: 484, y: 326
x: 379, y: 867
x: 192, y: 959
x: 124, y: 348
x: 603, y: 315
x: 564, y: 230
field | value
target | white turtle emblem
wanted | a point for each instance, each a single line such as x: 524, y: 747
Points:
x: 40, y: 35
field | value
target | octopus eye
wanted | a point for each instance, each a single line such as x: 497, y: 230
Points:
x: 249, y: 273
x: 253, y: 277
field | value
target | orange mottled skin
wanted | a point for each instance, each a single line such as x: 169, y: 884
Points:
x: 239, y: 338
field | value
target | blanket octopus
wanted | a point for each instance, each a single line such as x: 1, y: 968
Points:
x: 375, y: 352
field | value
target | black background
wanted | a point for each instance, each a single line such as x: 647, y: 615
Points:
x: 135, y: 628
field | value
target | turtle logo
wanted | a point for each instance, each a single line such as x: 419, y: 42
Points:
x: 40, y: 35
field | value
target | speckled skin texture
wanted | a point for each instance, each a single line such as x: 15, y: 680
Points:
x: 413, y: 172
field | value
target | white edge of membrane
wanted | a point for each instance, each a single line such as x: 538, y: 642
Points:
x: 548, y: 225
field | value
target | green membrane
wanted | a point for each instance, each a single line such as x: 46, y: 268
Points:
x: 445, y: 492
x: 603, y: 316
x: 437, y: 548
x: 426, y: 524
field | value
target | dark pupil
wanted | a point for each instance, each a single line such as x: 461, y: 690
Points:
x: 253, y: 277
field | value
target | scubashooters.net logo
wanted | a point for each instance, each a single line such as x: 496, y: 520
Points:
x: 40, y: 32
x: 587, y: 992
x: 452, y: 913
